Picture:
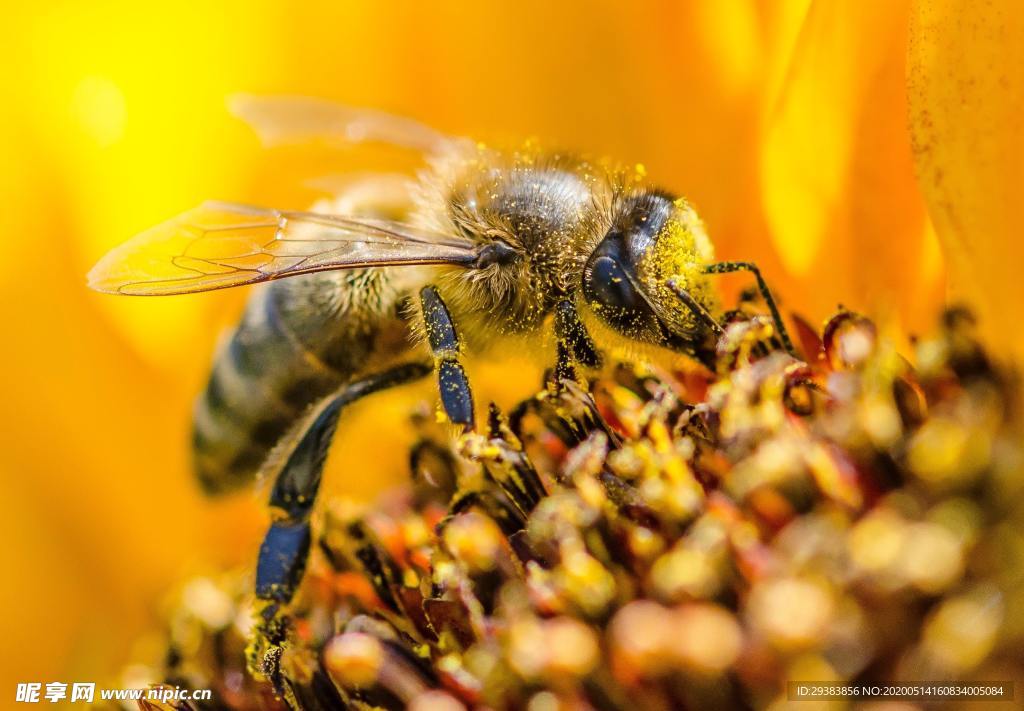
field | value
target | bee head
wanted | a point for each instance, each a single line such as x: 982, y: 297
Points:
x: 654, y: 240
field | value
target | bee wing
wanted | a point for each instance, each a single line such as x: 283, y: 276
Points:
x: 293, y: 119
x: 219, y: 245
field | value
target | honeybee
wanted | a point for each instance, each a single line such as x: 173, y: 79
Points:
x: 483, y: 249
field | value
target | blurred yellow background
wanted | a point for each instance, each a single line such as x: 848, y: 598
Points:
x: 785, y: 122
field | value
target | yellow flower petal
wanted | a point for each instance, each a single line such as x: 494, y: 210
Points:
x: 966, y: 98
x: 839, y: 190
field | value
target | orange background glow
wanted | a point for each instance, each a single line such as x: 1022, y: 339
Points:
x: 788, y: 123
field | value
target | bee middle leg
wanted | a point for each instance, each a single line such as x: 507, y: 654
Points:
x: 285, y: 549
x: 456, y: 396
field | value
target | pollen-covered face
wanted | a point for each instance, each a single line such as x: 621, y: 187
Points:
x: 656, y: 247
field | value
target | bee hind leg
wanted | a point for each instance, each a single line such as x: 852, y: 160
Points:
x: 766, y: 294
x: 285, y: 549
x: 456, y: 395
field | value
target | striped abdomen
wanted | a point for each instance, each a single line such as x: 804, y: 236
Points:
x: 300, y: 340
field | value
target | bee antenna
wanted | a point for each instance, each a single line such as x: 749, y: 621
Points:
x: 698, y: 310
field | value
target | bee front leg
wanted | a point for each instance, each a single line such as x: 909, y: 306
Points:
x: 569, y: 329
x: 766, y: 294
x: 574, y: 343
x: 456, y: 396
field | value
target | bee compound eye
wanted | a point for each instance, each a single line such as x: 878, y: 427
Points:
x: 608, y: 286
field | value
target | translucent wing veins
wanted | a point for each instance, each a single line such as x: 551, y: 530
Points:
x: 219, y: 245
x: 292, y: 119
